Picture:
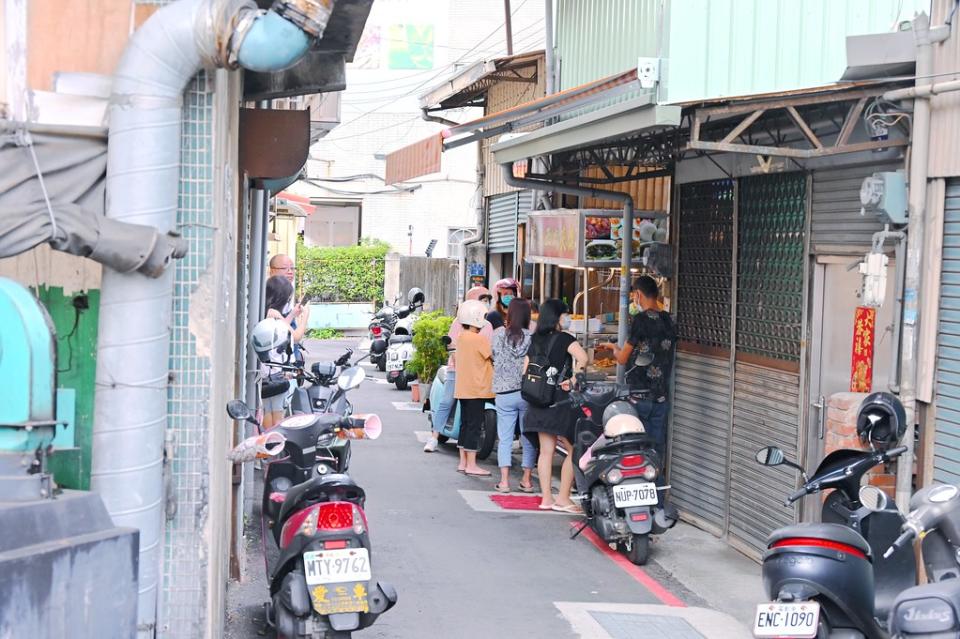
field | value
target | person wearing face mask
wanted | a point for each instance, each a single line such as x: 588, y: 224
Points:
x: 555, y: 423
x: 648, y: 355
x: 447, y: 402
x: 505, y: 291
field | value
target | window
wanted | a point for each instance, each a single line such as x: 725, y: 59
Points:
x: 455, y: 238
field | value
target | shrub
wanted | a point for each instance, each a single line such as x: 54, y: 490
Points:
x: 342, y: 273
x: 324, y: 333
x: 428, y: 332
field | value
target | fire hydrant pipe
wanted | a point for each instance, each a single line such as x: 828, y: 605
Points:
x: 143, y: 180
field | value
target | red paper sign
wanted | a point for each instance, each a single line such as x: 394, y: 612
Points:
x: 861, y: 365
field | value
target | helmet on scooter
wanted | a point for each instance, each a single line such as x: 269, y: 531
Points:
x: 881, y: 420
x: 617, y: 408
x: 622, y: 424
x: 271, y: 336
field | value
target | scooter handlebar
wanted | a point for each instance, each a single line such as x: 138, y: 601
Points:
x: 801, y: 492
x: 905, y: 537
x: 893, y: 453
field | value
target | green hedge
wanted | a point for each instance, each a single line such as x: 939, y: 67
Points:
x: 342, y: 273
x: 428, y: 332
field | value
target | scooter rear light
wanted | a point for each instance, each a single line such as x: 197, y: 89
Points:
x: 638, y: 517
x: 632, y: 461
x: 335, y: 544
x: 376, y: 330
x: 819, y: 543
x: 335, y: 515
x: 587, y: 412
x: 634, y: 472
x: 650, y: 472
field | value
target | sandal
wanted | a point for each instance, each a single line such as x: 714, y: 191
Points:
x: 542, y: 507
x: 485, y: 473
x: 570, y: 509
x: 501, y: 488
x: 525, y: 489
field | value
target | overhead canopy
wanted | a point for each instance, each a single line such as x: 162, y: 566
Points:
x: 625, y: 119
x: 73, y: 162
x: 468, y: 88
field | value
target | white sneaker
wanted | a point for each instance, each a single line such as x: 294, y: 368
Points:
x: 431, y: 445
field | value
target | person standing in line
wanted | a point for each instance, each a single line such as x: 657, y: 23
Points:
x: 298, y: 314
x: 276, y: 385
x: 510, y: 344
x: 474, y: 385
x: 554, y: 423
x: 648, y: 356
x: 504, y: 291
x: 447, y: 403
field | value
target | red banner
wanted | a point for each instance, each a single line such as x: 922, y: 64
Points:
x: 861, y: 365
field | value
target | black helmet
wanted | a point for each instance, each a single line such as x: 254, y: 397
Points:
x: 618, y: 408
x: 882, y: 419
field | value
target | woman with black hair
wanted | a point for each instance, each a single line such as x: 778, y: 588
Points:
x: 275, y: 384
x: 555, y: 424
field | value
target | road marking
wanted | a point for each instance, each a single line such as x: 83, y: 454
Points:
x: 423, y: 436
x: 411, y: 406
x: 480, y: 501
x: 636, y: 572
x: 584, y: 618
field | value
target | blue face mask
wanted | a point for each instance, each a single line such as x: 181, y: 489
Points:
x: 506, y: 299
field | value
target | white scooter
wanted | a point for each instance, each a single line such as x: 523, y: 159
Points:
x: 400, y: 349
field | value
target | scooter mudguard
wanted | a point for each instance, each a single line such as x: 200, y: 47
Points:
x: 639, y: 519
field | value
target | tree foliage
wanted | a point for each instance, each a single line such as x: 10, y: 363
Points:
x: 431, y: 353
x: 342, y: 273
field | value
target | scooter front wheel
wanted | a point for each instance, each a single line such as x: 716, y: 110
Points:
x: 382, y: 364
x: 488, y: 437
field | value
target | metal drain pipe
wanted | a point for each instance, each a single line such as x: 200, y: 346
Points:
x: 143, y: 178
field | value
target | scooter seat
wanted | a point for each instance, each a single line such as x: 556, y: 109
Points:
x: 824, y: 532
x: 401, y: 339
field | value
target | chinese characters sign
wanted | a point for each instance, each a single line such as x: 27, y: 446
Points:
x: 553, y: 238
x: 861, y: 365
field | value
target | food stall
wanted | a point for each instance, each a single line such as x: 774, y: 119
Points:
x: 590, y: 242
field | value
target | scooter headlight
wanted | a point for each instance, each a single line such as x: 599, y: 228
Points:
x: 614, y: 476
x: 650, y: 473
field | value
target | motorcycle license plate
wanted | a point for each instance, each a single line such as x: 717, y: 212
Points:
x: 395, y: 365
x: 787, y: 620
x: 637, y: 494
x: 336, y: 566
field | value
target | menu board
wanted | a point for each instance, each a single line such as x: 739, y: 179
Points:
x: 586, y: 237
x: 553, y: 237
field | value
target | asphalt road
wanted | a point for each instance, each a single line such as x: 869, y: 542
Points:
x: 460, y: 572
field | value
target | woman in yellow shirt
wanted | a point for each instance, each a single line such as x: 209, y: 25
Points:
x: 473, y: 384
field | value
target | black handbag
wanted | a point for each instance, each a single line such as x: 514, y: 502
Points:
x: 539, y: 386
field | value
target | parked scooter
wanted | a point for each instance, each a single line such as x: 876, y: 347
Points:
x: 451, y: 430
x: 380, y: 327
x: 825, y: 579
x: 400, y: 349
x: 315, y: 533
x: 616, y: 468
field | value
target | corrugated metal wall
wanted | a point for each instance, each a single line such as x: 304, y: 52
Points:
x: 597, y: 38
x: 650, y: 195
x: 765, y: 413
x: 700, y: 438
x: 717, y: 48
x: 502, y: 211
x: 945, y: 109
x: 946, y: 461
x: 837, y: 226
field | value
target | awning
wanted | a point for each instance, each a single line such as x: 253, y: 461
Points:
x: 468, y: 88
x: 292, y: 204
x: 621, y: 120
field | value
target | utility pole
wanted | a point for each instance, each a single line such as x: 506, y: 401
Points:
x: 508, y: 26
x: 410, y: 238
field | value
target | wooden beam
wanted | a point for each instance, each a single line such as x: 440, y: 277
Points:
x: 802, y: 125
x: 740, y: 128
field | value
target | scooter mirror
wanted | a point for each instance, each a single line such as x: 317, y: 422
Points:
x: 351, y: 378
x: 445, y: 340
x: 378, y: 346
x: 770, y: 456
x: 873, y: 498
x: 238, y: 410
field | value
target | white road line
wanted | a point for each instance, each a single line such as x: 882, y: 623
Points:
x: 410, y: 406
x: 709, y: 623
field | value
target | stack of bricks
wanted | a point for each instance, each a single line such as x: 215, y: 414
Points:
x: 841, y: 432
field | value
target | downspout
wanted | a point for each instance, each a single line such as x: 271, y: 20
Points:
x: 900, y: 238
x: 919, y: 160
x: 550, y: 61
x: 426, y: 115
x: 615, y: 196
x: 143, y: 176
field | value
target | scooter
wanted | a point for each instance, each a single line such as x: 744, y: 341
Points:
x: 401, y: 349
x: 315, y: 532
x: 451, y: 430
x: 617, y: 474
x: 380, y: 327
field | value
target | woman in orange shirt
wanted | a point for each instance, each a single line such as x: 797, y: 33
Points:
x: 474, y: 383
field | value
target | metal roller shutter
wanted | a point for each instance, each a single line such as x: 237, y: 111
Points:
x: 502, y: 211
x: 946, y: 454
x: 525, y: 205
x: 836, y: 221
x: 700, y: 438
x: 765, y: 413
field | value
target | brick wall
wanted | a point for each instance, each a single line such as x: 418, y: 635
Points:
x: 841, y: 432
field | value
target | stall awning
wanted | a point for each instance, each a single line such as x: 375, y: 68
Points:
x: 468, y: 88
x: 625, y: 119
x: 292, y: 204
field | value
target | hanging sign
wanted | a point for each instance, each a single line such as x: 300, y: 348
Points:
x: 588, y: 237
x: 553, y: 238
x: 861, y: 365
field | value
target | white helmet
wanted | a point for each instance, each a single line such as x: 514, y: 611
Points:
x: 270, y: 336
x: 471, y: 313
x: 622, y: 424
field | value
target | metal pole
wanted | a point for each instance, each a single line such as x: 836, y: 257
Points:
x: 549, y: 59
x: 508, y: 26
x: 925, y: 37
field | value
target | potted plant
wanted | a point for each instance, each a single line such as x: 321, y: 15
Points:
x: 431, y: 353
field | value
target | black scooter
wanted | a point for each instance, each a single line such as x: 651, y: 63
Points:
x: 823, y: 579
x: 621, y: 501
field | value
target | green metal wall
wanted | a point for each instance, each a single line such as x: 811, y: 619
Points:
x: 714, y: 48
x: 76, y: 370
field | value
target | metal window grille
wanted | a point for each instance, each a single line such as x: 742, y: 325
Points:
x: 704, y: 274
x: 770, y: 262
